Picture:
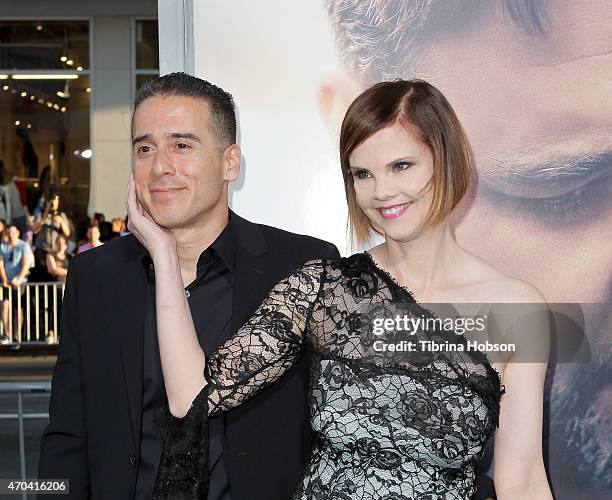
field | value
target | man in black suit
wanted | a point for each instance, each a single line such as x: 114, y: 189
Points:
x: 108, y: 379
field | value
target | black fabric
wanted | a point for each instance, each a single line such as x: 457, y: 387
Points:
x: 153, y: 393
x: 386, y: 424
x: 485, y: 488
x: 96, y: 406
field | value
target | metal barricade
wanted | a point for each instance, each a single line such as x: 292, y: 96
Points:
x: 21, y: 388
x: 30, y: 312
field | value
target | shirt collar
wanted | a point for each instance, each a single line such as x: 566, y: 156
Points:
x: 224, y: 246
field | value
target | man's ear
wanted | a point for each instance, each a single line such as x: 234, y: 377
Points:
x: 337, y: 89
x: 231, y: 163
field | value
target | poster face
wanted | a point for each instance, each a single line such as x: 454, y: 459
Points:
x: 530, y: 80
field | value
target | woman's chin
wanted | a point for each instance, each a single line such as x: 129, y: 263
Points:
x: 400, y: 234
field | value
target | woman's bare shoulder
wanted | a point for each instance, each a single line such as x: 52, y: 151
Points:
x: 498, y: 286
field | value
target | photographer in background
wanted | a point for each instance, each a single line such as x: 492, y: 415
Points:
x: 46, y: 228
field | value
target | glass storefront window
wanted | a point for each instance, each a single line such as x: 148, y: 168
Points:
x: 44, y: 45
x: 147, y: 44
x: 146, y: 40
x: 45, y: 94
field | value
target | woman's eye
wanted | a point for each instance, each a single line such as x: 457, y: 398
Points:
x: 402, y: 165
x: 361, y: 174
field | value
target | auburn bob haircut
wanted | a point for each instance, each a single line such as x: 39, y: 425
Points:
x: 424, y: 111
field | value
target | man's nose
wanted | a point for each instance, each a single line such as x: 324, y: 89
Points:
x: 162, y: 163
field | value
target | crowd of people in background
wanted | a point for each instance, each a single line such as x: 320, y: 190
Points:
x: 37, y: 244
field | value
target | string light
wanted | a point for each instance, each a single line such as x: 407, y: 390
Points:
x: 17, y: 122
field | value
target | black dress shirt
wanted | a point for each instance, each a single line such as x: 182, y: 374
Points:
x: 210, y: 298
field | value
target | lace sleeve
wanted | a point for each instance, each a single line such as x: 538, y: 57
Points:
x: 268, y: 345
x: 260, y: 352
x: 183, y: 467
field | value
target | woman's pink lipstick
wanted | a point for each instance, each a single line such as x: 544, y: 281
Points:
x: 393, y: 211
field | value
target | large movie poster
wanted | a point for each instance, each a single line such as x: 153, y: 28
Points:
x: 531, y: 81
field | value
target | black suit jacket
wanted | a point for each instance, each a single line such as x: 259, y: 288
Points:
x: 95, y: 410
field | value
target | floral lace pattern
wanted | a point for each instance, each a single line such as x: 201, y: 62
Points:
x: 386, y: 425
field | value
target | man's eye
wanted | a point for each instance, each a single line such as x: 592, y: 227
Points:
x: 144, y: 149
x: 182, y: 145
x: 579, y: 205
x: 361, y: 174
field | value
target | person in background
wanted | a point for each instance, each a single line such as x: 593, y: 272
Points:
x: 81, y: 223
x: 11, y: 208
x: 72, y: 245
x: 119, y: 225
x: 106, y: 232
x: 125, y: 231
x: 3, y: 236
x: 16, y: 260
x: 46, y: 228
x: 93, y: 239
x: 97, y: 219
x: 57, y: 267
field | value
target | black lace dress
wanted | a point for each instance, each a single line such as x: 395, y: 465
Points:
x: 386, y: 425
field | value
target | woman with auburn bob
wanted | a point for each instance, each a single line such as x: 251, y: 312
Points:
x: 387, y: 424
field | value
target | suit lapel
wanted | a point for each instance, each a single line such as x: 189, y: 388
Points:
x: 130, y: 282
x: 250, y: 286
x: 251, y: 279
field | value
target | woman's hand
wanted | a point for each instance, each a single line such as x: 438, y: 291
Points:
x: 181, y: 355
x: 154, y: 238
